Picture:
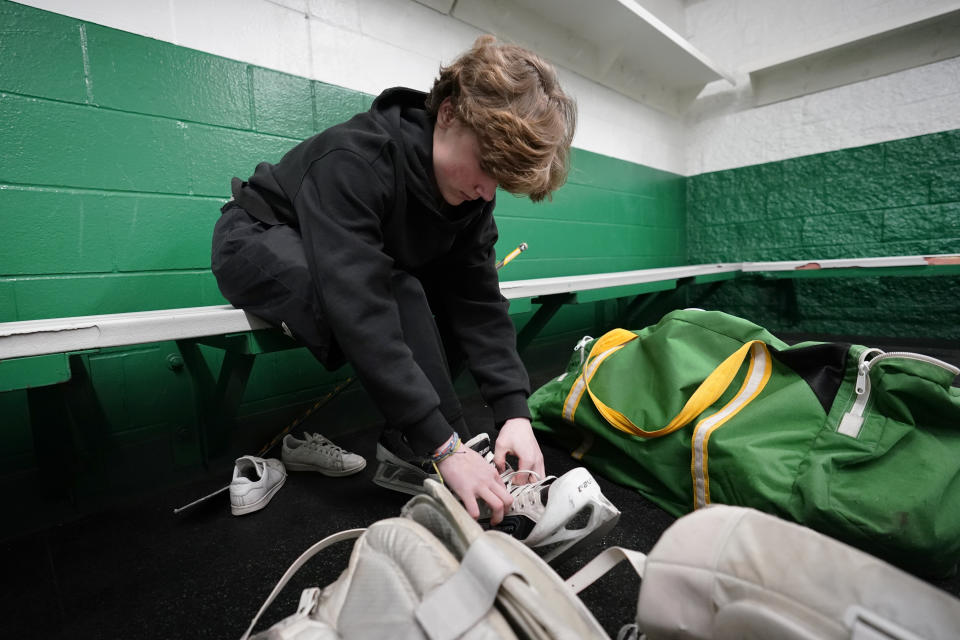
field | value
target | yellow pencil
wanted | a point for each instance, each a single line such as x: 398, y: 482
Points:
x: 513, y: 254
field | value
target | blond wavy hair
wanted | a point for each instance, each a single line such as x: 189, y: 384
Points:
x: 511, y: 99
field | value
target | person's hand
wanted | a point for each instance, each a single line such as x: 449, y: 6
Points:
x: 516, y: 437
x: 471, y: 477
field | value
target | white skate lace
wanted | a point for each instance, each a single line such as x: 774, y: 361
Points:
x: 523, y: 494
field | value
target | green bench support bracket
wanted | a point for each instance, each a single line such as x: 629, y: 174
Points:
x: 647, y: 301
x: 649, y: 306
x: 68, y: 426
x: 35, y: 371
x: 549, y: 305
x: 218, y: 399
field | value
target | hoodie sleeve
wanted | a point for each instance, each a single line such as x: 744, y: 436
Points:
x: 480, y: 320
x: 340, y: 206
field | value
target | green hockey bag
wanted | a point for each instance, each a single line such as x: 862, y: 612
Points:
x: 705, y: 407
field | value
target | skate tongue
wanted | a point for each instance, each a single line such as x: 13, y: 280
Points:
x: 481, y: 444
x: 540, y: 486
x: 545, y: 485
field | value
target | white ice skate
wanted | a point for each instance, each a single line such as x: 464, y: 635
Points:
x: 554, y: 516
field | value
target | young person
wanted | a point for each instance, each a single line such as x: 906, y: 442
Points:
x: 373, y: 242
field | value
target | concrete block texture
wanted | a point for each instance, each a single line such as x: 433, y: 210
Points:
x: 368, y: 45
x: 730, y: 126
x: 860, y: 199
x: 727, y: 131
x: 119, y: 145
x: 895, y: 198
x: 361, y: 45
x: 122, y: 167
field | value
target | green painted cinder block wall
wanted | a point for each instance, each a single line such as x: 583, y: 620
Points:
x: 118, y: 152
x: 119, y: 149
x: 893, y: 198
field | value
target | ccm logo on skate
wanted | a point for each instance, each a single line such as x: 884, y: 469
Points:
x: 584, y: 485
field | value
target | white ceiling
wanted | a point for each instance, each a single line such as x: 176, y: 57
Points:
x: 638, y: 47
x: 616, y: 43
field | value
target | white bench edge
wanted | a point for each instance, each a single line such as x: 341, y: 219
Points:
x: 59, y: 335
x: 62, y: 335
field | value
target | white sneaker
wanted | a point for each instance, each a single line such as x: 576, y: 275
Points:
x: 255, y: 481
x: 316, y: 453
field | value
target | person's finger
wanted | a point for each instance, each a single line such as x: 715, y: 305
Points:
x: 500, y: 489
x: 522, y: 477
x: 526, y: 463
x: 541, y: 467
x: 500, y: 457
x: 470, y: 504
x: 495, y: 503
x: 535, y: 464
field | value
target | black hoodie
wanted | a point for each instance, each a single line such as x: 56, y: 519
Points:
x: 364, y: 197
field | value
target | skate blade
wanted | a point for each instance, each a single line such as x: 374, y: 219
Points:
x: 592, y: 517
x: 569, y: 548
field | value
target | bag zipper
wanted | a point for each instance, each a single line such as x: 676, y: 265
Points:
x: 581, y: 347
x: 852, y: 420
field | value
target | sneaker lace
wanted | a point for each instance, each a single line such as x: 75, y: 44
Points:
x: 318, y: 442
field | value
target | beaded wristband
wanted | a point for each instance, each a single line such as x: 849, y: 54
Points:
x: 451, y: 446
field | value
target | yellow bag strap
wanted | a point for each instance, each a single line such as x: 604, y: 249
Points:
x: 709, y: 391
x: 604, y: 347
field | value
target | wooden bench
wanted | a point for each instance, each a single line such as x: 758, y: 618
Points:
x: 41, y: 355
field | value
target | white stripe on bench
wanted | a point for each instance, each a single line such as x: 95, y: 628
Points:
x: 61, y: 335
x: 852, y: 263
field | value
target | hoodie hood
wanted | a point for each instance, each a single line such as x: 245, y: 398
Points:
x: 402, y: 112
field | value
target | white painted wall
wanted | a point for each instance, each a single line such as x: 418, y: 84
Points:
x: 370, y: 45
x: 724, y: 130
x: 736, y: 33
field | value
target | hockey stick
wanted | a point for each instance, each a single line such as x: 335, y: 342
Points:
x: 203, y: 499
x: 322, y: 402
